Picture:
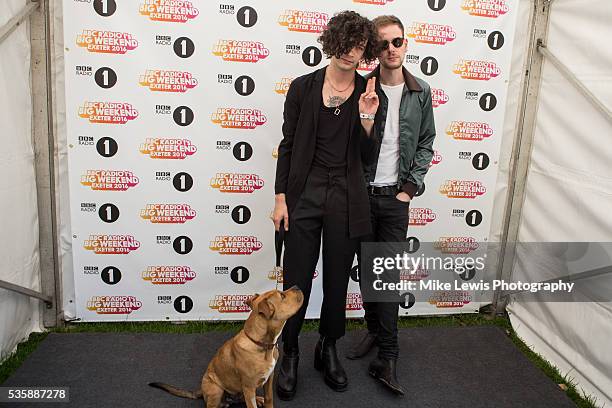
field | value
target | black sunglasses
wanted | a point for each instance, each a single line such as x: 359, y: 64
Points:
x: 397, y: 42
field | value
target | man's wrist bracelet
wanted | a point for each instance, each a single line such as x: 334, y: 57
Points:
x: 367, y: 116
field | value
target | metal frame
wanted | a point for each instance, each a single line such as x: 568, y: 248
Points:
x: 16, y: 21
x: 569, y: 75
x: 44, y: 152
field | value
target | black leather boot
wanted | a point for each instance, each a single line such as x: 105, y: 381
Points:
x: 286, y: 381
x: 384, y: 370
x: 363, y: 347
x: 326, y: 360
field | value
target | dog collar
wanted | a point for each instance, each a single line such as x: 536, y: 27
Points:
x: 265, y: 346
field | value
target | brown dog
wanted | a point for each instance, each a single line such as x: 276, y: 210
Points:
x: 246, y: 361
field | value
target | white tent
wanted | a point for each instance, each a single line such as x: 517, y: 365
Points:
x: 554, y: 184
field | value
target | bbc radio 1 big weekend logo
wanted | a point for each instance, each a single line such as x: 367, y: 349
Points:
x: 107, y: 42
x: 173, y: 11
x: 162, y: 148
x: 304, y: 21
x: 240, y: 51
x: 113, y: 113
x: 168, y: 81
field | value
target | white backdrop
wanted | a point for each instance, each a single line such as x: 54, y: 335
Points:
x: 149, y: 45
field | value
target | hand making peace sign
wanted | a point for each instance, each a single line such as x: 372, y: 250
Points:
x: 368, y: 101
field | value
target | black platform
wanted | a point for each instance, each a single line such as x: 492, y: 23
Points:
x: 439, y: 367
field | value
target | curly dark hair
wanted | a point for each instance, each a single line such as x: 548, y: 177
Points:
x: 346, y: 30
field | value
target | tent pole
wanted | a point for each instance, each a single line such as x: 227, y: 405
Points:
x: 521, y: 149
x: 44, y: 156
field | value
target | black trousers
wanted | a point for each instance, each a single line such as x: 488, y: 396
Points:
x: 390, y: 218
x: 322, y: 209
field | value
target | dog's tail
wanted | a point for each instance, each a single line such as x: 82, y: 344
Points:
x: 177, y: 391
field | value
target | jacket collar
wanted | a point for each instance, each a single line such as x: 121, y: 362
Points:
x: 409, y: 79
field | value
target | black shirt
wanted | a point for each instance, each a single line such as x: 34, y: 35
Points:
x: 333, y: 134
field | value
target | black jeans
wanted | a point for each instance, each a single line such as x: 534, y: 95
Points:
x: 390, y: 218
x: 322, y: 208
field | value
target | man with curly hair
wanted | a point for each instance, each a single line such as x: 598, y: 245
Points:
x: 328, y: 119
x: 405, y: 129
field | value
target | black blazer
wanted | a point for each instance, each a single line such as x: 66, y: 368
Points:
x: 296, y: 150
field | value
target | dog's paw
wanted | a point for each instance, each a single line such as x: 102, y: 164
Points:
x: 259, y: 401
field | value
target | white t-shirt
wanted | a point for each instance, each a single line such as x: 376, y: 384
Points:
x: 388, y: 160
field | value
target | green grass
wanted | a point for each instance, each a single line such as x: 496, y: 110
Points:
x: 8, y: 367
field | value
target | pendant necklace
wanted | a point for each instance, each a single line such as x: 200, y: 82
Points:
x: 337, y: 110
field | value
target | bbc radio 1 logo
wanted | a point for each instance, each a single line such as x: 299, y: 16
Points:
x: 108, y: 212
x: 246, y: 15
x: 456, y: 245
x: 171, y: 11
x: 181, y: 244
x: 230, y: 303
x: 168, y: 274
x: 167, y: 213
x: 304, y: 21
x: 475, y: 131
x: 429, y: 65
x: 487, y: 101
x: 450, y: 299
x: 485, y: 8
x: 113, y: 304
x: 109, y: 180
x: 495, y: 40
x: 462, y: 188
x: 242, y: 151
x: 438, y: 97
x: 240, y: 51
x: 238, y: 118
x: 428, y: 33
x: 105, y: 77
x: 473, y: 218
x: 244, y: 84
x: 476, y: 69
x: 168, y: 81
x: 419, y: 217
x: 115, y: 113
x: 107, y: 42
x: 111, y: 244
x: 236, y: 182
x: 183, y: 47
x: 282, y: 86
x: 241, y: 214
x: 181, y: 181
x: 181, y: 115
x: 159, y: 148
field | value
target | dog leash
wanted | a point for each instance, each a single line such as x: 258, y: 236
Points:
x: 279, y: 241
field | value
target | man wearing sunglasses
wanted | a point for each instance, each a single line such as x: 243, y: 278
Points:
x: 404, y: 125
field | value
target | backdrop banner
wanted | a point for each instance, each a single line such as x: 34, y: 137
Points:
x: 173, y: 114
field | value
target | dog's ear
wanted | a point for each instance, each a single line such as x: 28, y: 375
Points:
x: 249, y: 301
x: 266, y: 309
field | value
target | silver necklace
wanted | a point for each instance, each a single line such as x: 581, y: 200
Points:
x: 337, y: 98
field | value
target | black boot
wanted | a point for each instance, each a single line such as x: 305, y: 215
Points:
x: 326, y: 359
x: 286, y: 381
x: 384, y: 370
x: 363, y: 347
